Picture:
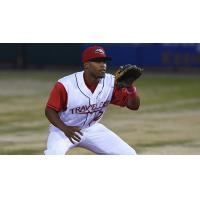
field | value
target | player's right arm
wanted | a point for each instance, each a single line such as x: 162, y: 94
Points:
x: 56, y: 103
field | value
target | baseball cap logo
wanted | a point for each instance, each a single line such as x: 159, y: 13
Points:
x: 100, y: 51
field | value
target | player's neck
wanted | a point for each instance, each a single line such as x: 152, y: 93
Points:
x: 90, y: 80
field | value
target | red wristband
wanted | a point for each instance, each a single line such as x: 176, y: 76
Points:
x: 131, y: 91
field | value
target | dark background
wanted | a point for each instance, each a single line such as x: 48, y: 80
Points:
x: 163, y: 56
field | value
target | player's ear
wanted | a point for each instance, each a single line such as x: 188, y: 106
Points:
x: 86, y: 65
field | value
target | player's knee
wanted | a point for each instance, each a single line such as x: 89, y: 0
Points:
x: 129, y: 151
x: 55, y: 152
x: 123, y: 151
x: 133, y: 152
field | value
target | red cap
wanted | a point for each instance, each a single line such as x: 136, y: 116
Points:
x: 94, y: 52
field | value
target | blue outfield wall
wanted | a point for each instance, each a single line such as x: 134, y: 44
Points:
x: 149, y: 55
x: 8, y: 52
x: 53, y: 54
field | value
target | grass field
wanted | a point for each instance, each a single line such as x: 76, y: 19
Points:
x: 168, y: 121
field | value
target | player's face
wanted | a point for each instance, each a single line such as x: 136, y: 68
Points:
x: 97, y: 69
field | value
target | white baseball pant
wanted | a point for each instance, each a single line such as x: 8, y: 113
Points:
x: 96, y: 138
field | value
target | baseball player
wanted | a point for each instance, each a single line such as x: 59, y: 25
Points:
x: 78, y: 101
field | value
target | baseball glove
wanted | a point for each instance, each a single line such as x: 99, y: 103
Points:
x: 127, y: 74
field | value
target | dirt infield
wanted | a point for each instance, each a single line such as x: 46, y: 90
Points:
x: 168, y: 121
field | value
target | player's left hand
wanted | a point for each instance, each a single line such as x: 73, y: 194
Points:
x: 127, y: 74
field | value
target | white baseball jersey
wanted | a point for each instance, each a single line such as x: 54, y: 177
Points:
x: 85, y: 108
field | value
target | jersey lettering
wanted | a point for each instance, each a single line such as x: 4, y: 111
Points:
x: 89, y: 109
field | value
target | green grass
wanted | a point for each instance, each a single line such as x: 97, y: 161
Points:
x: 168, y: 121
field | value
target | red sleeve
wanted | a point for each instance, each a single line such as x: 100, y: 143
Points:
x: 58, y: 98
x: 121, y: 95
